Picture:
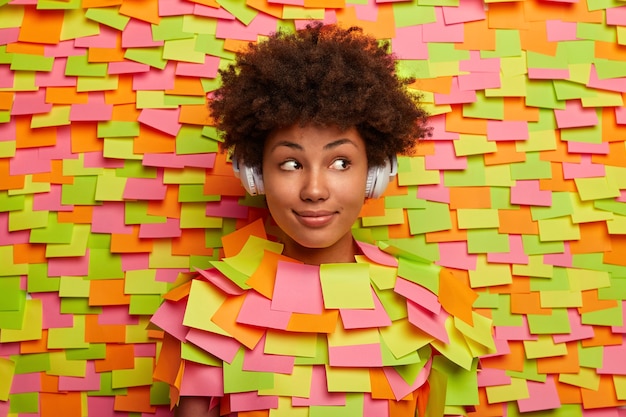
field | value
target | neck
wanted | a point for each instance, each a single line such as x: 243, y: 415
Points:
x: 341, y: 252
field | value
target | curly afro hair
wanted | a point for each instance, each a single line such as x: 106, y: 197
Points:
x: 321, y: 75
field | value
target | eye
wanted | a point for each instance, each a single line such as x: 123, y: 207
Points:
x: 290, y: 165
x: 340, y: 164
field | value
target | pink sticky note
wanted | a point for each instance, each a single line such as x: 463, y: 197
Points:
x: 613, y: 360
x: 138, y: 34
x: 365, y: 318
x: 206, y: 70
x: 144, y: 350
x: 548, y: 74
x: 435, y: 192
x: 374, y: 407
x: 106, y: 38
x: 610, y: 84
x: 476, y: 63
x: 417, y: 294
x: 479, y: 81
x: 6, y: 76
x: 399, y: 386
x: 515, y: 255
x: 109, y: 218
x: 127, y: 67
x: 429, y: 322
x: 171, y: 228
x: 528, y: 192
x: 218, y: 279
x: 319, y: 394
x: 13, y: 238
x: 542, y: 396
x: 489, y: 377
x: 358, y: 356
x: 592, y: 148
x: 98, y: 160
x: 55, y: 77
x: 155, y: 79
x: 169, y: 317
x: 9, y: 35
x: 445, y: 158
x: 257, y: 360
x: 217, y: 345
x: 559, y: 259
x: 616, y: 16
x: 217, y: 13
x: 90, y: 382
x: 466, y: 11
x: 367, y: 11
x: 103, y: 407
x: 442, y: 31
x: 30, y: 102
x: 165, y: 120
x: 503, y: 130
x: 26, y: 161
x: 376, y: 255
x: 558, y: 30
x: 578, y: 331
x: 75, y: 266
x: 438, y: 125
x: 23, y: 383
x: 585, y: 169
x: 257, y: 311
x: 95, y: 110
x: 250, y: 401
x: 575, y: 115
x: 455, y: 255
x: 227, y: 207
x: 456, y: 95
x: 136, y: 261
x: 202, y: 380
x: 262, y: 24
x: 515, y: 332
x: 145, y: 188
x: 52, y: 317
x: 297, y: 289
x: 168, y: 160
x: 118, y: 314
x: 64, y: 49
x: 409, y: 43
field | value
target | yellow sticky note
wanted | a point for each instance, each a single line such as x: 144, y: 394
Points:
x: 140, y: 375
x: 392, y: 216
x: 204, y: 300
x: 403, y: 338
x: 296, y: 384
x: 161, y: 256
x: 68, y: 337
x: 290, y: 344
x: 560, y: 299
x: 348, y: 379
x: 61, y: 366
x: 617, y: 226
x: 7, y: 370
x: 585, y: 378
x: 32, y: 324
x: 558, y: 229
x: 473, y: 145
x: 478, y: 218
x: 457, y: 350
x: 544, y: 347
x: 488, y: 274
x: 517, y: 390
x: 343, y: 337
x: 587, y: 279
x: 339, y: 280
x: 596, y: 188
x: 535, y: 268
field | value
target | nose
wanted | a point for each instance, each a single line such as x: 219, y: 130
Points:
x: 314, y: 186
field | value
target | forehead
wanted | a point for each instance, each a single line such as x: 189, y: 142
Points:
x: 314, y: 138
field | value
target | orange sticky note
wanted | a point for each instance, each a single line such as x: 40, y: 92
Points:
x: 506, y: 154
x: 103, y: 333
x: 79, y: 215
x: 560, y: 364
x: 470, y: 197
x: 594, y: 237
x: 455, y: 296
x: 191, y: 242
x: 29, y: 253
x: 8, y: 181
x: 41, y: 26
x: 107, y: 292
x: 136, y: 400
x: 604, y: 396
x: 85, y: 138
x: 6, y: 99
x: 118, y: 356
x: 33, y: 138
x: 169, y: 362
x: 146, y: 10
x: 130, y: 243
x: 69, y: 402
x: 196, y: 115
x: 153, y: 141
x: 234, y: 242
x: 187, y: 86
x: 309, y: 323
x: 517, y: 222
x: 226, y: 318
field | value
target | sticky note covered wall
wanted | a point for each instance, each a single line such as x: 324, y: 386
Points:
x: 112, y: 186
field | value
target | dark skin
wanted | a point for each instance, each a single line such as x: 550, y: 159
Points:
x: 196, y: 407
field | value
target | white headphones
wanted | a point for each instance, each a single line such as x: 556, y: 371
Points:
x: 378, y: 177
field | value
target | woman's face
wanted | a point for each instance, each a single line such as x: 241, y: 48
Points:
x: 314, y: 181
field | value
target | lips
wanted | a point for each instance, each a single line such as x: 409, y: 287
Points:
x: 315, y: 218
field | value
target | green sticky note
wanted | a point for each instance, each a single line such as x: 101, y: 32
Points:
x: 117, y: 128
x: 193, y: 216
x: 59, y: 115
x: 558, y: 229
x: 150, y: 56
x: 487, y: 241
x: 393, y: 304
x: 591, y: 357
x: 104, y: 265
x: 508, y: 44
x: 566, y: 90
x: 539, y: 60
x: 143, y: 304
x: 584, y: 211
x: 161, y: 256
x: 77, y: 247
x: 180, y: 100
x: 391, y: 216
x: 109, y: 16
x: 136, y: 212
x: 338, y: 280
x: 149, y: 99
x: 78, y: 306
x: 10, y: 202
x: 561, y: 206
x: 211, y: 45
x: 193, y: 353
x: 596, y: 188
x: 423, y: 273
x: 354, y: 402
x: 199, y: 24
x: 106, y: 389
x: 14, y: 319
x: 538, y: 140
x: 462, y: 387
x: 34, y: 362
x: 607, y: 317
x: 28, y: 62
x: 241, y: 11
x: 140, y: 375
x: 194, y: 193
x: 143, y: 281
x: 403, y: 338
x: 412, y: 171
x: 534, y: 246
x: 32, y: 324
x: 68, y: 337
x: 110, y: 187
x: 8, y: 147
x: 557, y: 322
x: 79, y: 65
x: 54, y: 232
x: 446, y: 52
x: 615, y: 291
x: 472, y: 175
x: 589, y: 134
x: 183, y: 50
x: 24, y: 403
x: 561, y: 299
x: 238, y: 380
x: 170, y: 28
x: 194, y: 140
x: 11, y: 294
x: 94, y: 351
x: 410, y: 13
x: 473, y: 145
x: 88, y: 83
x: 558, y: 282
x: 39, y: 281
x: 9, y: 268
x: 485, y: 107
x: 502, y: 315
x: 414, y: 357
x: 27, y: 218
x: 81, y: 192
x: 534, y: 268
x: 135, y: 169
x: 541, y: 93
x: 409, y: 200
x: 489, y: 274
x: 415, y: 248
x: 120, y: 148
x: 433, y: 217
x: 532, y: 168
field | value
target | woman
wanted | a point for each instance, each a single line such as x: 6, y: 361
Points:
x: 314, y: 120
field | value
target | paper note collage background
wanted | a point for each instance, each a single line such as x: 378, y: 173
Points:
x: 111, y: 185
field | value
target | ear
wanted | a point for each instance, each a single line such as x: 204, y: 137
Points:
x: 378, y: 177
x: 251, y: 178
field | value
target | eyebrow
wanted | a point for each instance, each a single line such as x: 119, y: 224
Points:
x: 328, y: 146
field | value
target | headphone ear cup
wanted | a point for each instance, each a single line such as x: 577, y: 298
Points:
x: 251, y: 178
x: 378, y: 177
